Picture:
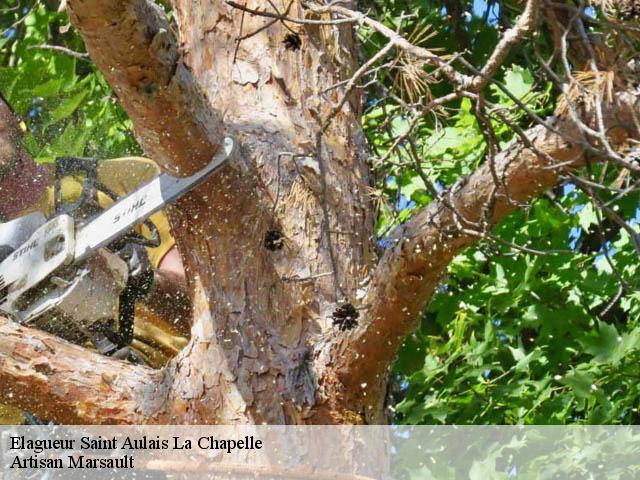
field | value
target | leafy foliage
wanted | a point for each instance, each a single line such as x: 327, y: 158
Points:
x: 532, y: 327
x: 65, y: 101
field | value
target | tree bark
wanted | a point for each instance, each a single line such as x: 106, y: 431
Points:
x: 55, y: 379
x: 260, y: 314
x: 263, y: 345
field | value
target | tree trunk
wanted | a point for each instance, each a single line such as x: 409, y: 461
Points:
x: 264, y: 347
x: 262, y: 315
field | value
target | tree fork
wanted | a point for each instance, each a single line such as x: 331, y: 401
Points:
x: 132, y: 43
x: 263, y: 347
x: 258, y: 313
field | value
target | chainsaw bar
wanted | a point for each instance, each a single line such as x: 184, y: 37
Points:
x: 140, y: 205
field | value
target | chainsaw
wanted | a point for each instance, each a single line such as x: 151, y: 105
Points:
x: 78, y: 274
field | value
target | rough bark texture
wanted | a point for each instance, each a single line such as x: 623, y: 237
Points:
x: 134, y: 46
x: 55, y: 379
x: 15, y: 159
x: 260, y: 314
x: 263, y: 347
x: 420, y: 251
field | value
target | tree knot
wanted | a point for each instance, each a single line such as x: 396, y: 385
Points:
x: 345, y: 317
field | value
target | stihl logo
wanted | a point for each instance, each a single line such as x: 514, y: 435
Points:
x: 132, y: 209
x: 25, y: 249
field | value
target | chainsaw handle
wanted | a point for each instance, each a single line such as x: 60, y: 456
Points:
x: 69, y: 166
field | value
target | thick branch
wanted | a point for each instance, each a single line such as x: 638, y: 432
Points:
x: 411, y: 268
x: 132, y: 43
x: 56, y: 380
x: 421, y: 249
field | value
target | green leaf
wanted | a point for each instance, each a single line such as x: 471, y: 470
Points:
x: 602, y: 343
x: 523, y: 360
x: 68, y: 106
x: 48, y: 89
x: 581, y: 384
x: 537, y: 314
x: 587, y: 217
x: 519, y: 81
x: 414, y: 185
x: 71, y: 142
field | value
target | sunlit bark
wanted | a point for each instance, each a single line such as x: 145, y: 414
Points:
x: 263, y: 345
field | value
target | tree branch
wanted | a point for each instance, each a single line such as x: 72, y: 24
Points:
x: 421, y: 249
x: 133, y: 44
x: 58, y: 381
x: 220, y: 226
x: 523, y: 27
x: 60, y: 49
x: 398, y: 40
